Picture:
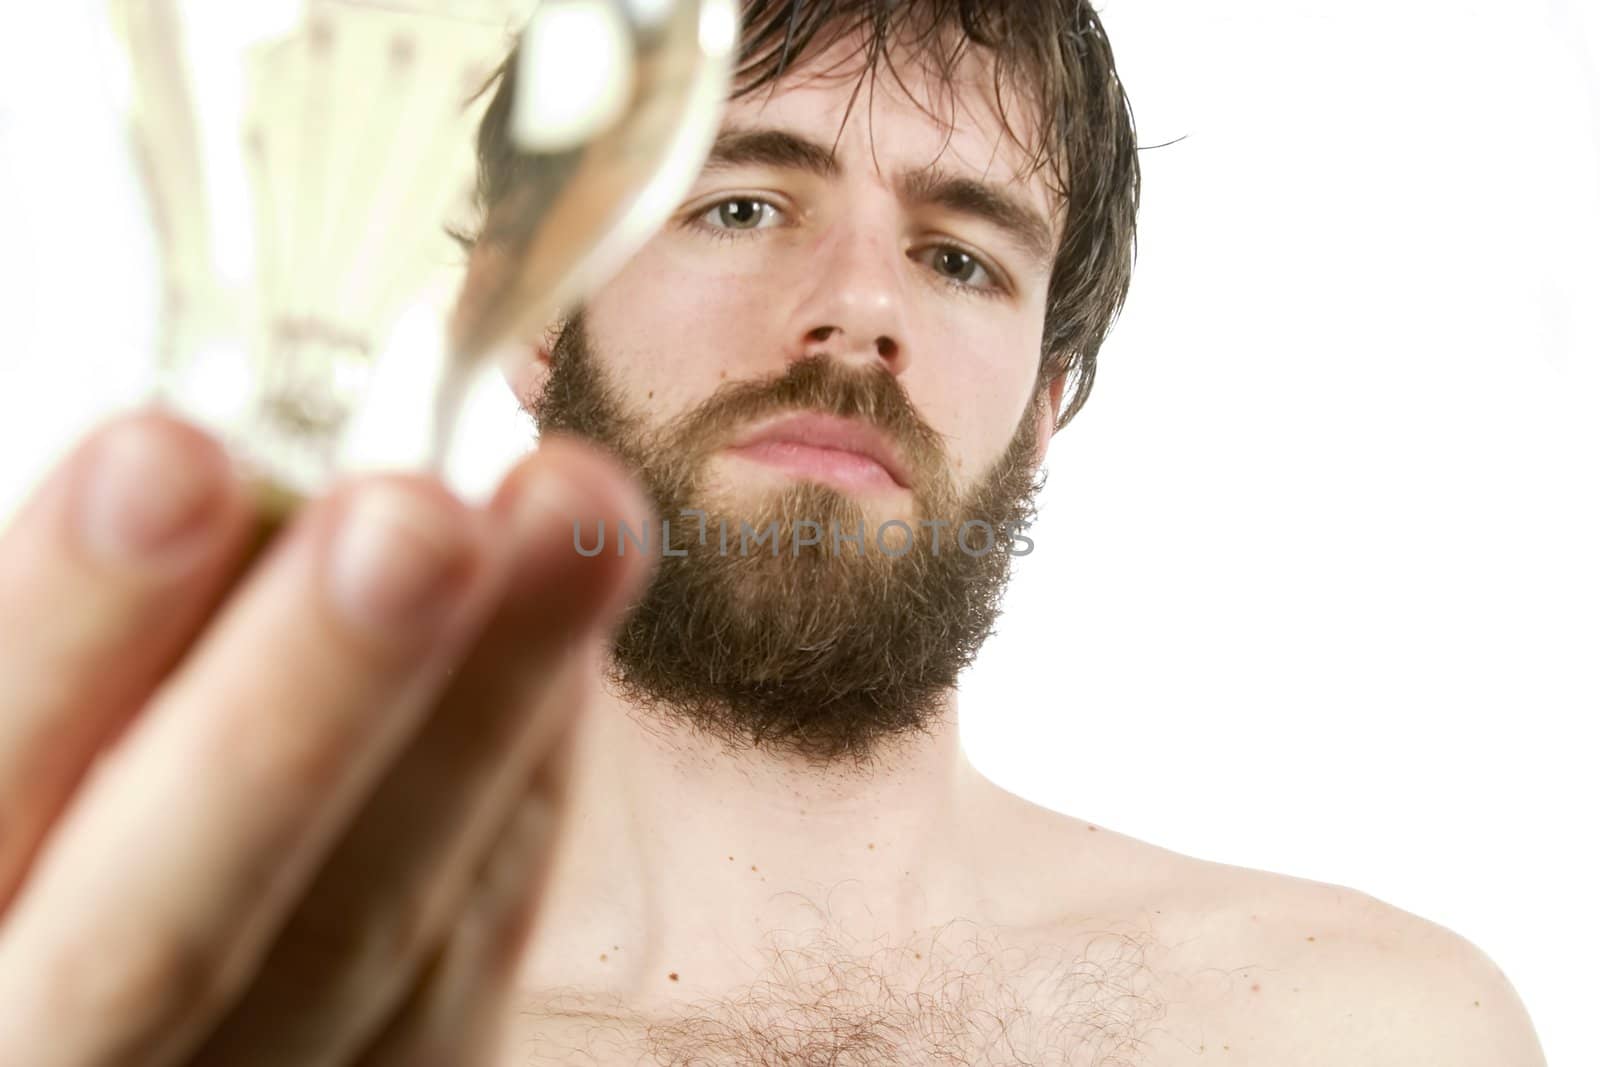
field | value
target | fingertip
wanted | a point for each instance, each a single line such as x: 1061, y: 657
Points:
x: 148, y: 487
x: 590, y: 496
x: 596, y: 474
x: 404, y: 557
x: 196, y: 443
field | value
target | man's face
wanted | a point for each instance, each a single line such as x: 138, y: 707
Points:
x: 897, y: 281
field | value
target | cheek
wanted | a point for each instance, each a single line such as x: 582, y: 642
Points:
x: 674, y: 326
x: 973, y: 385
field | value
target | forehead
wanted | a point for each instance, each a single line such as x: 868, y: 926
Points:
x: 903, y: 114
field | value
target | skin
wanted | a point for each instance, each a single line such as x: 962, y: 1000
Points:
x: 367, y: 804
x: 846, y: 268
x: 714, y: 893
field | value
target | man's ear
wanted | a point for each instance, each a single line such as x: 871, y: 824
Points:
x: 1046, y: 412
x: 527, y: 373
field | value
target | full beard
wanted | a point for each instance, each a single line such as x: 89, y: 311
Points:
x: 825, y: 653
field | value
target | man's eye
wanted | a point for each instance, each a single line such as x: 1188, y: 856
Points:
x: 738, y: 213
x: 961, y: 267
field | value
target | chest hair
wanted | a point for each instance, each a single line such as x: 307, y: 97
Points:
x: 963, y: 995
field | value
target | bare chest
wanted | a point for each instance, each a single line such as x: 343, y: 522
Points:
x: 1100, y: 998
x: 990, y: 1035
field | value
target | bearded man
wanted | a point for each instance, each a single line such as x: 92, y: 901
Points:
x: 883, y: 295
x: 834, y: 374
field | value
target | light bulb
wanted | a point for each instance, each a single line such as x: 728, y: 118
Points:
x: 307, y: 166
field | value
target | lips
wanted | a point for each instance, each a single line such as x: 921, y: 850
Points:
x: 828, y: 432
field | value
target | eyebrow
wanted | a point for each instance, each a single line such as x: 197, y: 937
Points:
x: 765, y: 146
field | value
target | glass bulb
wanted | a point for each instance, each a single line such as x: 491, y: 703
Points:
x: 307, y: 162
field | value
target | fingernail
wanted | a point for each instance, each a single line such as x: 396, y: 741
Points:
x: 144, y: 493
x: 543, y: 498
x: 397, y: 563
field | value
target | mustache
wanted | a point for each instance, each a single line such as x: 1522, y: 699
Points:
x: 815, y: 385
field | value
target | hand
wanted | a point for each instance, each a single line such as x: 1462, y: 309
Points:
x: 297, y: 817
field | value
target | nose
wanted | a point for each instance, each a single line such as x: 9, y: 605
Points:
x: 852, y: 306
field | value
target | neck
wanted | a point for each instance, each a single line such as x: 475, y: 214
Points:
x: 677, y: 855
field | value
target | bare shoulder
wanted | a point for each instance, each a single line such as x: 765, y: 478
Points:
x: 1268, y: 969
x: 1339, y: 976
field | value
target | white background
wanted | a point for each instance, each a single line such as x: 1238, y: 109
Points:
x: 1316, y: 581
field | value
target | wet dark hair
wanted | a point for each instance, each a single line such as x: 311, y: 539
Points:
x: 1052, y: 54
